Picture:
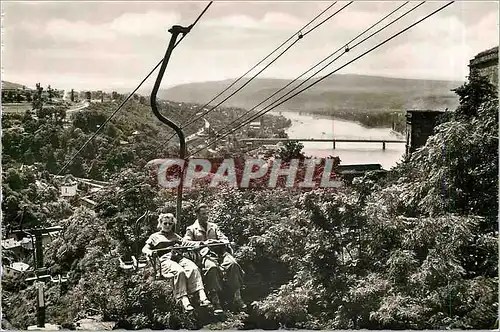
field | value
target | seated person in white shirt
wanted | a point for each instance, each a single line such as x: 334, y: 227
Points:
x: 186, y: 275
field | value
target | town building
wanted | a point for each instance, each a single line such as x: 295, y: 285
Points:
x: 69, y: 187
x: 420, y: 125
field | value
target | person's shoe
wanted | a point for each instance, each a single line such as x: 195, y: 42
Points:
x: 205, y: 303
x: 238, y: 301
x: 186, y: 305
x: 188, y: 308
x: 216, y: 304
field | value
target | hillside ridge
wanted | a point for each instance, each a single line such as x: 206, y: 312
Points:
x: 337, y: 92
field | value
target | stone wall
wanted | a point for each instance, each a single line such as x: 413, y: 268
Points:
x: 486, y: 63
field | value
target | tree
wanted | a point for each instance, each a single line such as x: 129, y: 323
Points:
x: 458, y: 166
x: 473, y: 94
x: 28, y: 95
x: 10, y: 96
x: 88, y: 120
x: 50, y: 92
x: 19, y: 97
x: 291, y: 150
x: 281, y: 134
x: 416, y: 250
x: 37, y: 100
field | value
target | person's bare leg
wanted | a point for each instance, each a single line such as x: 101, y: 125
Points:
x: 203, y: 298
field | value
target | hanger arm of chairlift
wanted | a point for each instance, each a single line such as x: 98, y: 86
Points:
x: 175, y: 31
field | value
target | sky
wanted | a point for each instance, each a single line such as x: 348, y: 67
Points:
x: 113, y: 45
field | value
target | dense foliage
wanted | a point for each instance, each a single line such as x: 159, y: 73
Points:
x: 131, y: 139
x: 416, y: 250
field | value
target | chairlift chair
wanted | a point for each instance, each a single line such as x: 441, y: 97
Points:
x: 126, y: 265
x: 135, y: 264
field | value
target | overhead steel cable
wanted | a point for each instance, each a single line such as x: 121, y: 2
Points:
x: 127, y: 99
x: 191, y: 26
x: 326, y: 58
x: 329, y: 74
x: 300, y: 36
x: 255, y: 66
x: 260, y: 71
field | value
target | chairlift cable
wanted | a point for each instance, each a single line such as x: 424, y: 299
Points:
x: 265, y: 67
x: 248, y: 71
x: 191, y: 121
x: 329, y: 74
x: 126, y: 99
x: 322, y: 61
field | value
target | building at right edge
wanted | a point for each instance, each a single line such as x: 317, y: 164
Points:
x: 420, y: 123
x: 486, y: 64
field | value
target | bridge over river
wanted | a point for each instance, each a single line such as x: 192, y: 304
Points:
x: 333, y: 140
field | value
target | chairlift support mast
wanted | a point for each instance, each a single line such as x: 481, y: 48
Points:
x: 176, y: 30
x: 41, y: 273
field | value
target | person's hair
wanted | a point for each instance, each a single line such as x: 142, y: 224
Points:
x: 168, y: 215
x: 198, y: 208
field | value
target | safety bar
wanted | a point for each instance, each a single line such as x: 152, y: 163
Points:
x: 195, y: 247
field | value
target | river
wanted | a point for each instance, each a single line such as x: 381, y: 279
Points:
x: 318, y: 126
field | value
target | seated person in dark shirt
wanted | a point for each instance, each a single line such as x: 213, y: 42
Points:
x: 217, y: 265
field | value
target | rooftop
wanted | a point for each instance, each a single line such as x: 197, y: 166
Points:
x: 485, y: 56
x: 492, y: 50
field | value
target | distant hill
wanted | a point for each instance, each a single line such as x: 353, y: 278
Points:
x: 337, y: 92
x: 12, y: 86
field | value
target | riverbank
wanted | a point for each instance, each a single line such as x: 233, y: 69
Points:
x: 395, y: 119
x: 306, y: 125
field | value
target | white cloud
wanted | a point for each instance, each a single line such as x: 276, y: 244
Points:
x: 282, y: 21
x: 271, y: 20
x: 128, y: 24
x: 484, y: 34
x: 352, y: 20
x: 233, y: 21
x: 78, y: 31
x: 438, y: 48
x: 122, y: 50
x: 99, y: 55
x: 150, y: 23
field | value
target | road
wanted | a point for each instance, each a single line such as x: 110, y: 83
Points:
x: 71, y: 111
x: 76, y: 108
x: 199, y: 132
